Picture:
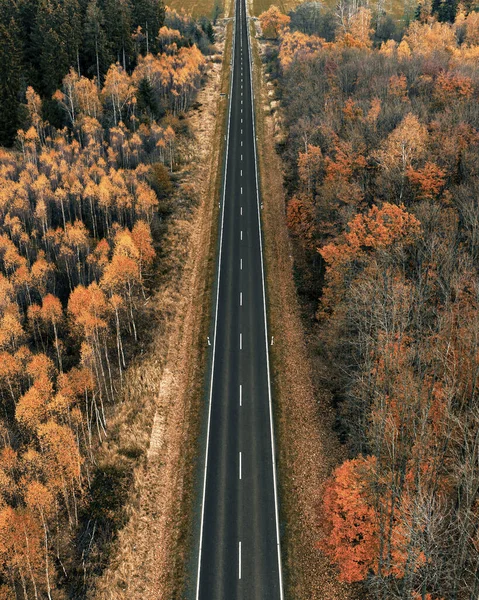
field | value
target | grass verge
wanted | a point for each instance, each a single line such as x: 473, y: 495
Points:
x: 307, y: 448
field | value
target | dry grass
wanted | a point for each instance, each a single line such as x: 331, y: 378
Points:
x: 396, y: 8
x: 308, y: 448
x: 163, y: 396
x: 197, y: 8
x: 285, y: 6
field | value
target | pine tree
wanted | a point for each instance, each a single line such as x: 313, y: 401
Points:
x: 96, y: 49
x: 444, y: 10
x: 10, y: 68
x: 150, y: 16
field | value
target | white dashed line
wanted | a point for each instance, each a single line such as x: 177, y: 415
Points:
x: 241, y: 235
x: 241, y: 298
x: 241, y: 341
x: 239, y: 566
x: 241, y: 264
x: 241, y: 395
x: 240, y: 469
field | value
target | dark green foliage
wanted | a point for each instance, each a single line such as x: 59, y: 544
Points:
x: 150, y: 16
x: 208, y: 29
x: 386, y: 29
x: 313, y: 19
x: 10, y: 84
x: 147, y: 102
x: 56, y: 39
x: 118, y: 27
x: 97, y: 57
x: 444, y: 10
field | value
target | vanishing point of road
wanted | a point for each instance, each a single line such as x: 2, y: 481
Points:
x: 239, y: 550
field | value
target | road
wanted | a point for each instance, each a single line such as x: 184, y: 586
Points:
x: 239, y: 551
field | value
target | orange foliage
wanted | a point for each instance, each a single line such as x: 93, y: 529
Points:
x: 379, y: 229
x: 351, y: 525
x: 430, y: 180
x: 273, y: 22
x: 297, y: 44
x: 300, y: 220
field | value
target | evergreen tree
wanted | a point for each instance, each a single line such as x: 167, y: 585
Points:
x: 147, y: 102
x: 118, y: 28
x: 55, y: 42
x: 208, y: 29
x: 97, y: 55
x: 150, y: 16
x: 10, y: 84
x: 445, y: 10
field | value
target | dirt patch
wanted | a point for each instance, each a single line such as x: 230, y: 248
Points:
x: 149, y: 556
x: 308, y: 448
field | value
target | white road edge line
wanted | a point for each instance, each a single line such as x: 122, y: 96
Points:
x: 216, y: 317
x: 275, y: 483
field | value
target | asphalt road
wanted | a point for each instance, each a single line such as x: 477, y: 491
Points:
x: 239, y: 554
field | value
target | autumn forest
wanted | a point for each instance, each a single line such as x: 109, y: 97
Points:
x: 93, y: 98
x: 381, y: 155
x: 377, y: 120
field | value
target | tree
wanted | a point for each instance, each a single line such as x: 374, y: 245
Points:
x: 150, y: 16
x: 351, y: 525
x: 52, y: 313
x: 379, y: 229
x: 11, y: 60
x: 273, y: 22
x: 95, y: 41
x: 118, y: 91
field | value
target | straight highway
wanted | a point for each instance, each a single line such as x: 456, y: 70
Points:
x: 239, y: 550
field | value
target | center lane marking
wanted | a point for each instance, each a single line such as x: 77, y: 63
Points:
x: 241, y: 341
x: 241, y: 395
x: 239, y: 561
x: 241, y: 298
x: 240, y: 465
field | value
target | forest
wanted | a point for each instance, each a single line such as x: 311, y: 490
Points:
x: 93, y: 98
x: 381, y: 159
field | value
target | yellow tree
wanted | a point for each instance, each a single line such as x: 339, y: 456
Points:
x: 118, y: 91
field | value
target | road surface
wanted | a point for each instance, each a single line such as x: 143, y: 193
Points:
x: 239, y: 553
